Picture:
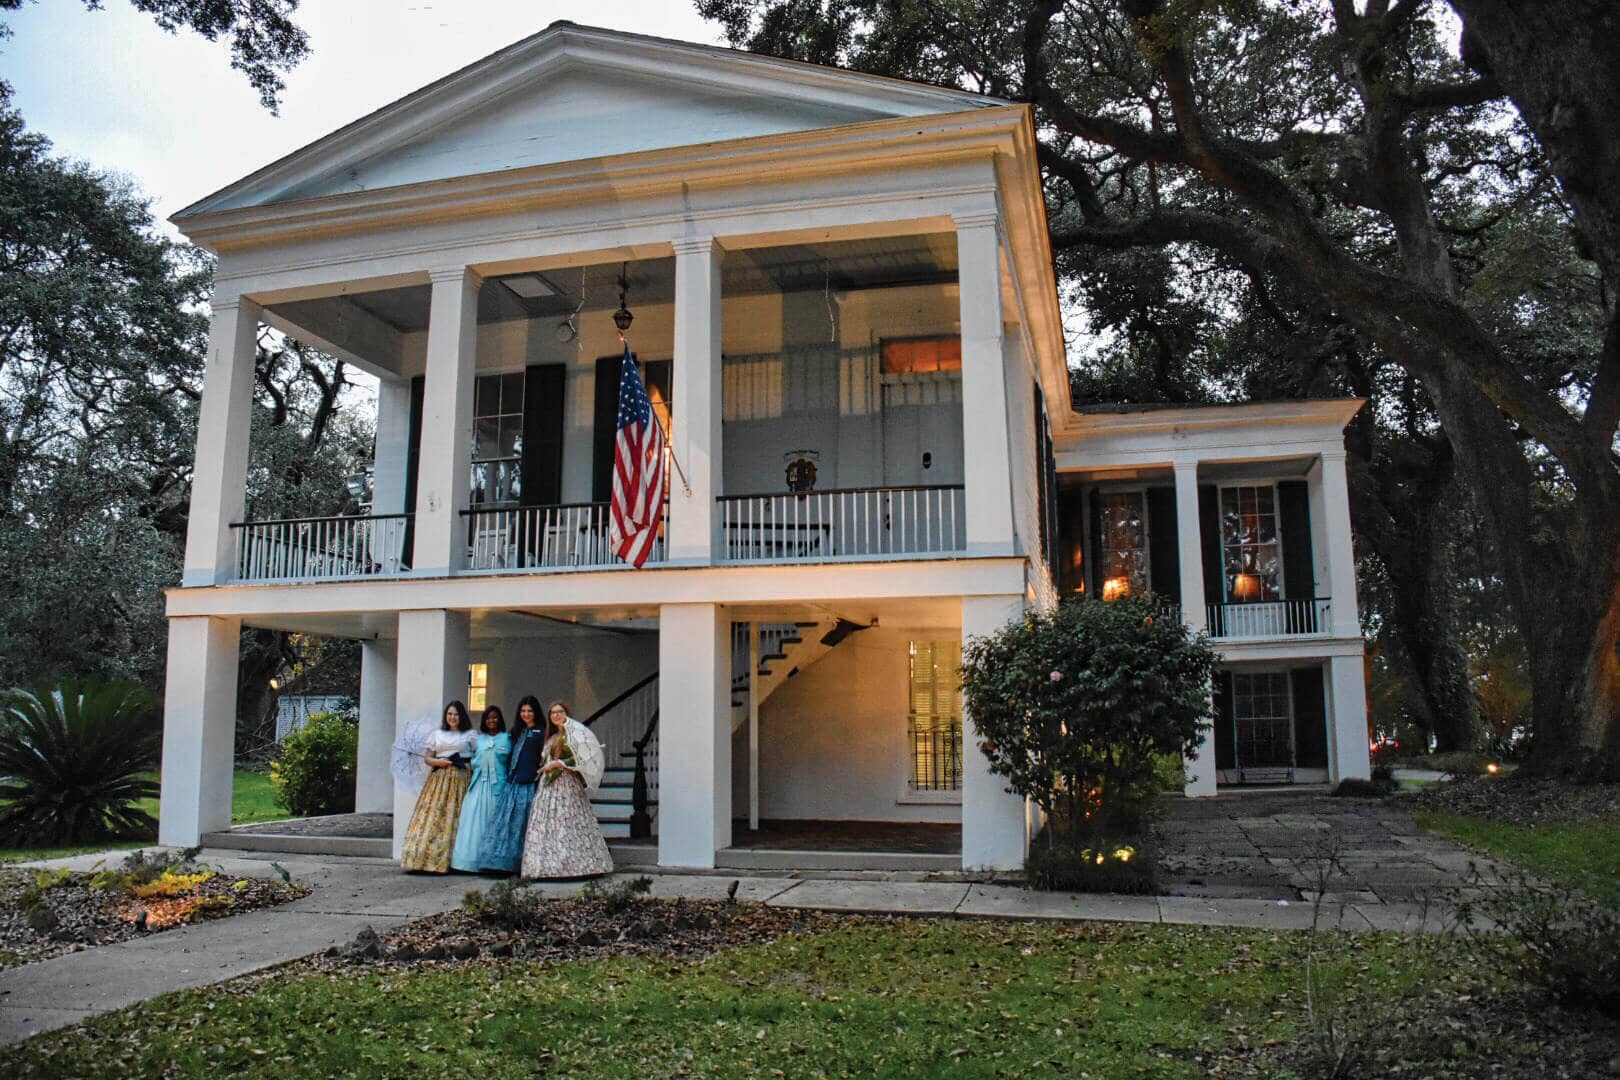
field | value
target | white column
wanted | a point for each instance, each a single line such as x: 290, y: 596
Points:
x: 224, y: 422
x: 447, y: 416
x: 373, y: 776
x: 199, y: 729
x: 753, y: 724
x: 1348, y: 754
x: 696, y: 409
x: 994, y: 825
x: 388, y: 479
x: 694, y: 734
x: 1200, y: 766
x: 987, y: 465
x: 1341, y: 560
x: 431, y: 671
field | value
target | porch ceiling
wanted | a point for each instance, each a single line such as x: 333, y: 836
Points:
x: 844, y: 266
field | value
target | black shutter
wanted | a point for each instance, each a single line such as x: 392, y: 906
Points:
x: 1095, y: 500
x: 605, y: 427
x: 544, y: 389
x: 1164, y: 544
x: 1310, y: 719
x: 658, y: 375
x: 413, y: 458
x: 1071, y: 543
x: 1294, y: 522
x: 1225, y: 734
x: 1209, y: 528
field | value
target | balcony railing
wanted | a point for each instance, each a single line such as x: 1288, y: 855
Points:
x: 1268, y: 619
x: 562, y: 536
x: 853, y: 523
x: 321, y: 549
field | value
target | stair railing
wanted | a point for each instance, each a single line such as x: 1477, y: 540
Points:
x: 627, y: 727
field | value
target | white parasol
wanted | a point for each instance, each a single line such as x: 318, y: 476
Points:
x: 409, y: 756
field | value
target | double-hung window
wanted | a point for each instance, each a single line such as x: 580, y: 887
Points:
x: 1124, y: 555
x: 497, y: 447
x: 1263, y: 719
x: 1251, y: 544
x: 934, y: 725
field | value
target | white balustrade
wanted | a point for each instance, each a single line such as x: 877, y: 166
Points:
x: 855, y: 523
x: 321, y: 549
x: 543, y: 538
x: 1268, y: 619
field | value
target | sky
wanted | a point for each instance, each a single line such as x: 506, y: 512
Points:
x: 168, y: 112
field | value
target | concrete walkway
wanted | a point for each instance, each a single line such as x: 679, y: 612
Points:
x: 349, y: 894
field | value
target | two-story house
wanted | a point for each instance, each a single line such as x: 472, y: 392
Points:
x: 840, y: 293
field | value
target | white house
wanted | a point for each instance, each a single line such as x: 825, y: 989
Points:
x: 845, y: 310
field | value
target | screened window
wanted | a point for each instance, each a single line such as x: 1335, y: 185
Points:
x: 1251, y: 548
x: 1124, y: 556
x: 1263, y: 719
x: 935, y: 721
x: 497, y: 447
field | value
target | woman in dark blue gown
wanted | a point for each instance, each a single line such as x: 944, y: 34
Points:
x: 502, y: 847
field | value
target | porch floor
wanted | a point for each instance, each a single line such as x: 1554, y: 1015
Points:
x: 912, y: 837
x: 330, y: 834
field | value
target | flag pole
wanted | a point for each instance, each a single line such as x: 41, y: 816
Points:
x: 669, y: 445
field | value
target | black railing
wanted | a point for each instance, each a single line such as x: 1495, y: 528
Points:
x: 936, y: 758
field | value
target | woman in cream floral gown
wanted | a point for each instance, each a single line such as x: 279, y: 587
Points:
x: 563, y: 839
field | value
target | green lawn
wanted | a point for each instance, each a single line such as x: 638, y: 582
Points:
x: 252, y: 799
x: 1582, y: 854
x: 945, y: 998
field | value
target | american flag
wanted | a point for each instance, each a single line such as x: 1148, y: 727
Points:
x: 638, y: 471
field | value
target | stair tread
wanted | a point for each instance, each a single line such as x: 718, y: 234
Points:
x: 620, y: 802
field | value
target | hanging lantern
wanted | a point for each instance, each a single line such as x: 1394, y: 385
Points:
x: 622, y: 318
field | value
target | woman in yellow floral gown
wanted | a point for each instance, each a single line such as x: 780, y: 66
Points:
x: 431, y: 834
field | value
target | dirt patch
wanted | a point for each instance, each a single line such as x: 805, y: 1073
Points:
x: 72, y: 914
x: 1520, y: 800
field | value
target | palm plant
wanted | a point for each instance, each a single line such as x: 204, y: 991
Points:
x: 74, y: 761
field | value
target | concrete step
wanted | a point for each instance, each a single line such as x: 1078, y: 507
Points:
x: 291, y: 844
x: 614, y: 829
x: 789, y: 859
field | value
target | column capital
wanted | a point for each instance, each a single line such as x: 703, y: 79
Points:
x: 218, y: 304
x: 695, y: 245
x: 1334, y: 455
x: 1181, y: 465
x: 976, y: 219
x: 455, y: 274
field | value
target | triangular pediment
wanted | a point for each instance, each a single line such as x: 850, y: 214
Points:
x: 574, y: 93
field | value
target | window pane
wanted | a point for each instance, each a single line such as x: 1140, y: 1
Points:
x: 512, y: 393
x: 486, y: 439
x: 1124, y: 536
x: 487, y: 395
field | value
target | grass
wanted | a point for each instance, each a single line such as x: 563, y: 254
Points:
x: 1585, y: 855
x: 252, y: 799
x: 942, y: 998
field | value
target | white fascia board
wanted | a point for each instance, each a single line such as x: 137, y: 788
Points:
x: 558, y: 48
x: 1250, y: 432
x: 878, y: 145
x: 610, y: 590
x: 1299, y: 650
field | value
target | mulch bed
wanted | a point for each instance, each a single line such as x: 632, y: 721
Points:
x: 77, y: 916
x: 576, y: 929
x: 1521, y: 800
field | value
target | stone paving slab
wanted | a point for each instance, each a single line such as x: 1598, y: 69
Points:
x: 910, y: 898
x: 1002, y: 902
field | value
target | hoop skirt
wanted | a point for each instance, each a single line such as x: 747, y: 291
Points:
x: 432, y: 831
x: 563, y: 839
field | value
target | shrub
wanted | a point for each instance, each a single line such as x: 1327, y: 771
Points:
x: 1357, y: 788
x: 74, y: 762
x: 1060, y: 865
x: 314, y: 770
x: 1558, y: 938
x: 1075, y: 708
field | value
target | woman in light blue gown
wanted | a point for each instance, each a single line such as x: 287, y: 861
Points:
x: 489, y: 758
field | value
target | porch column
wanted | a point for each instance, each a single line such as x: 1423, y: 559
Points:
x: 199, y: 729
x: 224, y: 422
x: 696, y: 410
x: 388, y: 480
x: 431, y: 671
x: 373, y: 777
x: 694, y: 738
x: 1348, y: 753
x: 987, y: 464
x: 1200, y: 766
x: 994, y: 828
x: 447, y: 411
x: 1341, y: 559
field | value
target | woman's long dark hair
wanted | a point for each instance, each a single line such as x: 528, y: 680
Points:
x: 462, y: 718
x: 500, y: 719
x: 517, y: 717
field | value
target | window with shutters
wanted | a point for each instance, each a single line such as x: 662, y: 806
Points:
x: 497, y: 446
x: 1263, y: 719
x: 1251, y: 544
x: 935, y: 721
x: 921, y: 355
x: 1124, y: 555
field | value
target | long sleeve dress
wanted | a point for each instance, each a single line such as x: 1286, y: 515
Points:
x: 563, y: 839
x: 489, y: 758
x: 502, y: 846
x: 432, y: 831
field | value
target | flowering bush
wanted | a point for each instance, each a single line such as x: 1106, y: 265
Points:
x: 314, y: 770
x: 1077, y: 707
